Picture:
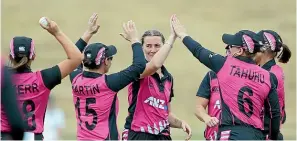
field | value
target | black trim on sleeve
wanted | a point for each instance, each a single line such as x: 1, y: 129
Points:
x: 51, y: 77
x: 272, y: 106
x: 81, y: 44
x: 204, y: 88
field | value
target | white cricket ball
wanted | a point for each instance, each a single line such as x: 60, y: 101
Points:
x: 43, y: 22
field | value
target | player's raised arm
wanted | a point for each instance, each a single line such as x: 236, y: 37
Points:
x: 92, y: 29
x: 83, y: 41
x: 210, y: 59
x: 74, y: 56
x: 118, y: 81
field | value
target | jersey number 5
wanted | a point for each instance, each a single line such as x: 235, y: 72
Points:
x: 88, y: 112
x: 241, y: 101
x: 28, y: 110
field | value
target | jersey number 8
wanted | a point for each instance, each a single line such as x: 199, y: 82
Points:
x: 29, y: 114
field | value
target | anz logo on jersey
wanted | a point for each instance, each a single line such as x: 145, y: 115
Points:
x: 157, y: 103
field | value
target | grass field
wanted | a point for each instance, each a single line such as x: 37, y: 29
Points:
x: 205, y: 20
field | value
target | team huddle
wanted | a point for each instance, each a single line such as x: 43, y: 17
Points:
x: 241, y: 98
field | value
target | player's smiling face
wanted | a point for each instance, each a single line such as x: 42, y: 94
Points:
x: 151, y: 46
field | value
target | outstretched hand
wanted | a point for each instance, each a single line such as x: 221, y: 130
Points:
x: 130, y: 32
x: 93, y: 27
x: 178, y: 28
x: 52, y: 27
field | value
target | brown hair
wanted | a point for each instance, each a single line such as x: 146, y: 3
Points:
x: 285, y: 55
x: 152, y: 33
x: 248, y: 54
x: 18, y: 63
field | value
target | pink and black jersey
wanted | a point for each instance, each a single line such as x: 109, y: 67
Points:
x: 96, y: 107
x: 244, y: 88
x: 241, y: 94
x: 278, y: 72
x: 209, y: 89
x: 33, y: 89
x: 149, y: 98
x: 95, y: 95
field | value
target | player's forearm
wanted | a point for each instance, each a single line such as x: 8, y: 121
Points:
x: 174, y: 122
x: 70, y: 48
x: 87, y: 36
x: 201, y: 113
x: 160, y: 57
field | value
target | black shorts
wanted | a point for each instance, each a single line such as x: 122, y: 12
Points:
x: 238, y: 132
x: 132, y: 135
x: 7, y: 136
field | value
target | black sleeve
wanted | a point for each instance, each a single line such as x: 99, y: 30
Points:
x: 172, y: 92
x: 9, y: 103
x: 272, y: 105
x: 51, y: 77
x: 204, y: 88
x: 120, y: 80
x: 73, y: 74
x: 80, y: 44
x: 211, y: 60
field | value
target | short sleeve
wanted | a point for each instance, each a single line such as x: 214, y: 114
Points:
x: 204, y: 88
x: 51, y: 77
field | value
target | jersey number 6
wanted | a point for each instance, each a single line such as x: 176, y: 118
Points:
x: 88, y: 112
x: 247, y: 100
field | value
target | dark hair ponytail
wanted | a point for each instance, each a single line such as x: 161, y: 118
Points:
x: 285, y: 55
x: 90, y: 64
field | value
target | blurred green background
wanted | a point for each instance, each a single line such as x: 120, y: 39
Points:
x: 205, y: 20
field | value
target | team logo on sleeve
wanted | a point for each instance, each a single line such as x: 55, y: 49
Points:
x: 211, y: 55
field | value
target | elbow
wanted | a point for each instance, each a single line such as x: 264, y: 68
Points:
x: 156, y: 65
x: 79, y: 57
x: 140, y: 67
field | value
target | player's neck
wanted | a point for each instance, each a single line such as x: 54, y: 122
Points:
x: 100, y: 70
x: 264, y: 60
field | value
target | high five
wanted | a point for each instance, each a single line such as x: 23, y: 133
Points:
x: 241, y: 102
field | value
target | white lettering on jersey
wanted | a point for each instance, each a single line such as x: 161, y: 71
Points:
x: 158, y: 103
x: 217, y: 105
